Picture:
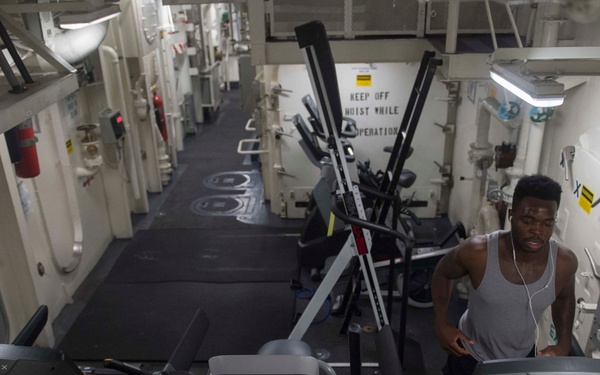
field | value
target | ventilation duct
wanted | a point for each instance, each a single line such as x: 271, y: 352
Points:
x: 75, y: 45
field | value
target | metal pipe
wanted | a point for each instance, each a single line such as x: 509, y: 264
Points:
x: 529, y: 35
x: 513, y: 25
x: 65, y: 173
x: 354, y: 347
x: 481, y: 150
x: 123, y: 105
x: 488, y: 12
x: 534, y: 147
x: 75, y: 45
x: 452, y: 26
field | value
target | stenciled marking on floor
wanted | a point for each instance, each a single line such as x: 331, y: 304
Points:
x: 233, y: 181
x: 225, y: 205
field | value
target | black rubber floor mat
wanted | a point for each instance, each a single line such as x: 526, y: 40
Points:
x: 208, y: 255
x: 152, y: 318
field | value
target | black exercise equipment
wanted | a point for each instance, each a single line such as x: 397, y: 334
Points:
x: 388, y: 186
x: 33, y: 328
x: 19, y: 358
x: 320, y: 238
x: 310, y: 144
x: 183, y: 356
x: 349, y: 130
x: 313, y: 42
x: 26, y: 360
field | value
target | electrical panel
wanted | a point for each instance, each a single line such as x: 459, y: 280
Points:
x: 112, y: 127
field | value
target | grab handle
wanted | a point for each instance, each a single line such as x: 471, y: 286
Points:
x: 248, y: 127
x: 249, y: 152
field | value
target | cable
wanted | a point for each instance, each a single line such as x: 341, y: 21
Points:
x: 306, y: 293
x: 529, y: 295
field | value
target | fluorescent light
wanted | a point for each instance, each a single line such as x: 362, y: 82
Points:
x: 535, y: 91
x: 73, y: 21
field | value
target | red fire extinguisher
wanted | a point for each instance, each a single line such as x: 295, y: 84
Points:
x: 29, y: 165
x: 159, y: 113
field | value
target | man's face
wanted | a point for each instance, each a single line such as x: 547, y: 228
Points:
x: 532, y: 223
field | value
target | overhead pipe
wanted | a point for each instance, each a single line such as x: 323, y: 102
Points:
x: 106, y: 50
x: 452, y: 26
x: 482, y: 154
x: 86, y: 172
x: 75, y: 45
x: 488, y: 219
x: 531, y: 23
x: 65, y: 173
x: 531, y: 134
x: 488, y: 12
x: 513, y: 25
x: 536, y: 129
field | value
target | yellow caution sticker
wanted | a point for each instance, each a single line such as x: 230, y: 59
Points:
x: 492, y: 91
x: 69, y: 146
x: 363, y: 80
x: 585, y: 199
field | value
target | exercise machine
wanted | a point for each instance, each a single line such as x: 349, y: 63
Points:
x: 19, y: 358
x: 322, y: 235
x: 539, y: 366
x: 313, y: 42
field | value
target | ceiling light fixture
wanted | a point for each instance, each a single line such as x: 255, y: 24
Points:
x: 539, y: 92
x: 73, y: 21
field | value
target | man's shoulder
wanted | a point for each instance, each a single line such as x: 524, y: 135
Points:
x: 474, y: 244
x: 567, y: 259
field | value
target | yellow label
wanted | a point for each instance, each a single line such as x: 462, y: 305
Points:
x: 363, y: 80
x: 586, y: 199
x: 492, y: 91
x: 69, y: 146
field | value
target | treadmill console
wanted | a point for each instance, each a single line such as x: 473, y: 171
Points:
x: 26, y: 360
x: 540, y: 366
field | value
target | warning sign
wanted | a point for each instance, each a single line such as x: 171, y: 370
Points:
x: 586, y: 198
x: 69, y: 146
x: 363, y: 80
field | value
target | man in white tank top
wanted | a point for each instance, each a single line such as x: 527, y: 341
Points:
x: 515, y: 275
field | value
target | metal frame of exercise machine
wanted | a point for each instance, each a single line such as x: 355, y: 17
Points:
x: 388, y: 186
x: 313, y: 42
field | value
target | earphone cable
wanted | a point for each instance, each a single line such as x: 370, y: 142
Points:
x: 529, y: 295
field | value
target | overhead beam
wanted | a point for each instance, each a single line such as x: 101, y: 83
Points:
x: 60, y: 6
x: 352, y: 51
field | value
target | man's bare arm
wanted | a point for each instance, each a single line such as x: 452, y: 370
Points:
x: 563, y: 308
x: 450, y: 267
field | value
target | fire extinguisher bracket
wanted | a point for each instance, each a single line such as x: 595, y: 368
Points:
x: 29, y: 165
x: 28, y: 142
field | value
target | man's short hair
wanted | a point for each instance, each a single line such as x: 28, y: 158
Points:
x: 537, y: 186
